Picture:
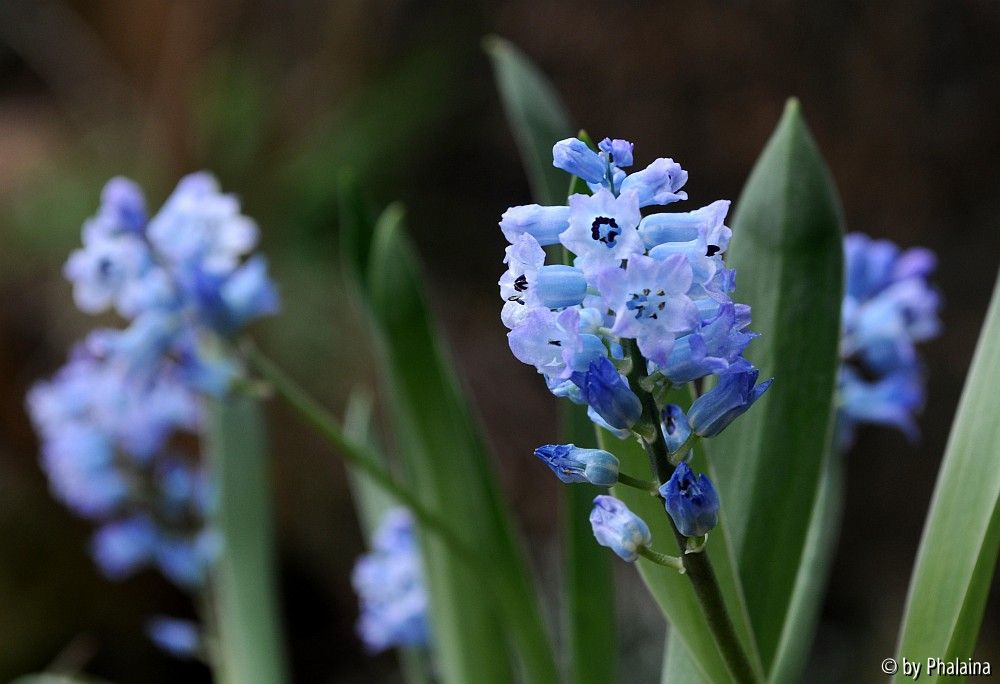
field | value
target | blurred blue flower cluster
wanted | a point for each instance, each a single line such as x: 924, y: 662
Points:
x: 390, y: 585
x: 119, y: 422
x: 642, y: 287
x: 889, y: 307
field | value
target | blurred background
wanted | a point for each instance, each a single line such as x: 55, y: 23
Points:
x: 280, y: 98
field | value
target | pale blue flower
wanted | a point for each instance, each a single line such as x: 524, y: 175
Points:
x: 617, y: 152
x: 659, y: 183
x: 574, y: 156
x: 123, y: 547
x: 650, y: 302
x: 542, y: 223
x: 389, y: 582
x: 734, y: 394
x: 602, y: 229
x: 618, y: 528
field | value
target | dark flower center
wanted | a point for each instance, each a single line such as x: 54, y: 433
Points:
x: 646, y: 305
x: 605, y: 230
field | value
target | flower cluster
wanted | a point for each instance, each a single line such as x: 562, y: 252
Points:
x: 119, y: 422
x: 643, y: 297
x: 390, y: 585
x: 889, y: 306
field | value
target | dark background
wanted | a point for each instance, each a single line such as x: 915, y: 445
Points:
x: 278, y: 98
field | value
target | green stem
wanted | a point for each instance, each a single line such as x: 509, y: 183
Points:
x: 359, y: 454
x: 699, y: 568
x: 663, y: 559
x: 644, y: 485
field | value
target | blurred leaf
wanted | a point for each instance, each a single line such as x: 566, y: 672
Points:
x: 45, y: 678
x: 958, y: 551
x: 371, y: 501
x: 538, y: 119
x: 473, y: 617
x: 787, y: 251
x: 671, y: 590
x: 536, y: 115
x: 244, y: 588
x: 678, y: 665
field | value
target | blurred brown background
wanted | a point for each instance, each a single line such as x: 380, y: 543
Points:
x: 278, y: 98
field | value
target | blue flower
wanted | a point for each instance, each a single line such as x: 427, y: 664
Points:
x: 573, y: 464
x: 575, y: 157
x: 718, y: 343
x: 730, y: 398
x: 618, y: 528
x: 659, y: 183
x: 650, y: 302
x: 115, y: 421
x: 389, y: 582
x: 179, y: 638
x: 529, y: 282
x: 542, y: 223
x: 675, y: 428
x: 121, y: 548
x: 604, y: 389
x: 702, y: 230
x: 889, y: 307
x: 617, y: 152
x: 692, y: 502
x: 602, y: 229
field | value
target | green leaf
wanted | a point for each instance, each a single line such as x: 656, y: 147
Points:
x: 678, y: 665
x: 244, y: 587
x: 958, y: 550
x: 46, y: 678
x: 671, y: 590
x: 536, y: 115
x: 787, y: 251
x: 473, y: 617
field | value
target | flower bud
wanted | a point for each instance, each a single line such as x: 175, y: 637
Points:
x: 692, y: 502
x: 728, y: 400
x: 573, y: 156
x: 674, y: 425
x: 573, y: 464
x: 607, y: 392
x: 618, y: 528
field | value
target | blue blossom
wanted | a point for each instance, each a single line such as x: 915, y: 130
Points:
x: 574, y: 156
x: 735, y: 392
x: 675, y: 428
x: 528, y: 281
x: 179, y: 638
x: 650, y: 302
x: 542, y: 223
x: 118, y: 422
x: 889, y: 307
x: 573, y: 464
x: 389, y: 582
x: 604, y: 389
x: 617, y: 152
x: 603, y: 229
x: 659, y: 183
x: 658, y: 281
x: 618, y: 528
x: 692, y: 502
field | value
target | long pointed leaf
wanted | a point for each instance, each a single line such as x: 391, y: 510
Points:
x: 244, y: 586
x: 958, y: 551
x: 474, y: 618
x: 536, y: 115
x: 787, y: 252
